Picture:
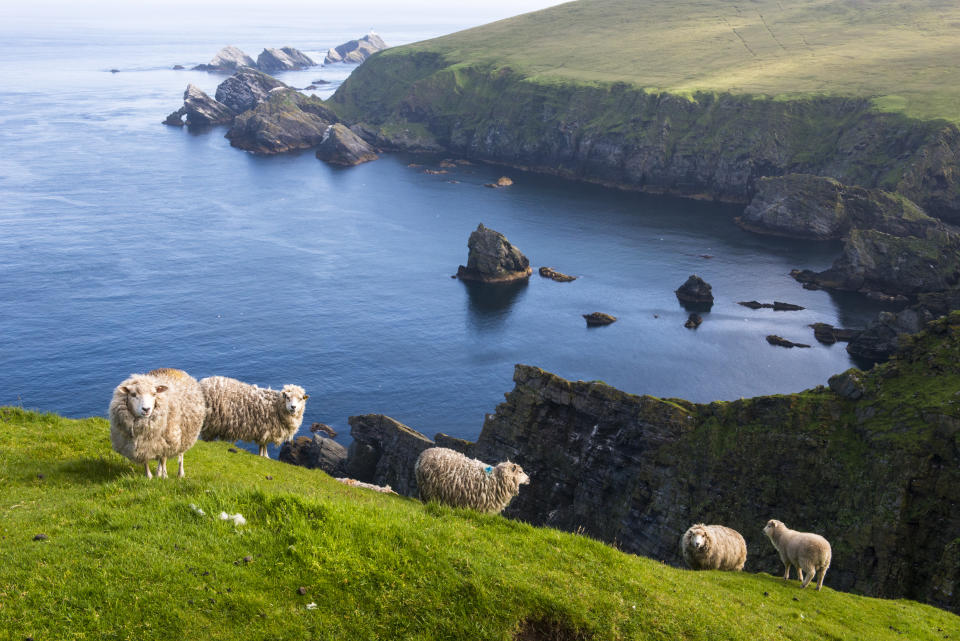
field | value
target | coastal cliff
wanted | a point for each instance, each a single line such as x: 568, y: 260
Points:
x: 706, y: 144
x: 872, y: 462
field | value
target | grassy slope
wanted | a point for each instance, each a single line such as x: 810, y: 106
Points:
x: 129, y: 559
x: 901, y: 54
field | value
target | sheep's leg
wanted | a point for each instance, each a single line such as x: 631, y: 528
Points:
x: 263, y: 450
x: 810, y: 575
x: 823, y: 573
x: 162, y: 468
x: 786, y: 574
x: 180, y: 473
x: 146, y: 468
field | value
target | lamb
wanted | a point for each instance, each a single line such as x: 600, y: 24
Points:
x: 713, y: 547
x: 238, y: 411
x: 450, y: 477
x: 156, y: 415
x: 809, y: 552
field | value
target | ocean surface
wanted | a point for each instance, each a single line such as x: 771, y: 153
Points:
x: 127, y: 245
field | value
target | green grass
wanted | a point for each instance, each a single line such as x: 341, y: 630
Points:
x: 903, y: 55
x: 128, y: 558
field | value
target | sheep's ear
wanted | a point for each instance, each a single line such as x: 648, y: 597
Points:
x: 161, y: 389
x: 124, y: 389
x: 306, y: 396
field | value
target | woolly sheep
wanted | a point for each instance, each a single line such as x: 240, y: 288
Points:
x: 713, y: 547
x: 450, y: 477
x: 156, y: 415
x: 809, y: 552
x: 238, y: 411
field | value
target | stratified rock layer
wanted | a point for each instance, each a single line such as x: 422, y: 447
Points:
x: 356, y: 51
x: 246, y: 89
x: 493, y: 259
x: 272, y: 60
x: 202, y: 110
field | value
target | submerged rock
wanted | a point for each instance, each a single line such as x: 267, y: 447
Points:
x: 356, y: 51
x: 502, y: 181
x: 202, y: 110
x: 598, y: 319
x: 773, y: 339
x: 547, y: 272
x: 776, y: 306
x: 273, y: 60
x: 340, y: 146
x: 227, y: 59
x: 246, y: 89
x: 828, y: 334
x: 492, y: 259
x: 693, y: 321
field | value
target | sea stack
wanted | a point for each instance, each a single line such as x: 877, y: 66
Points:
x: 695, y: 291
x: 492, y: 259
x: 340, y: 146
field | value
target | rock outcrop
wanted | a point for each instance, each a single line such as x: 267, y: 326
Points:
x: 246, y: 89
x: 492, y: 259
x: 873, y: 261
x: 552, y: 274
x: 273, y: 60
x: 818, y: 207
x: 356, y: 51
x: 695, y: 292
x: 228, y: 59
x: 316, y: 452
x: 201, y: 110
x: 777, y: 306
x: 287, y: 120
x: 881, y: 338
x: 780, y: 341
x: 599, y: 319
x: 383, y: 452
x: 828, y: 334
x: 340, y: 146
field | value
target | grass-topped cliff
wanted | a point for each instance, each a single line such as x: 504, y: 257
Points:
x: 127, y: 558
x: 696, y: 98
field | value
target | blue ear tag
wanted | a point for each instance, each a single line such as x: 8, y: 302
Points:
x: 489, y: 470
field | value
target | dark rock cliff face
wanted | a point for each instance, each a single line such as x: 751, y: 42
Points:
x: 285, y: 121
x: 705, y: 145
x: 873, y: 464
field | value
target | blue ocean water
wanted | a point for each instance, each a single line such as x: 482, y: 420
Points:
x: 127, y: 245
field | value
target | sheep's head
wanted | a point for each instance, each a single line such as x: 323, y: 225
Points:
x: 698, y: 537
x: 294, y: 399
x: 513, y: 471
x: 772, y: 526
x: 142, y: 396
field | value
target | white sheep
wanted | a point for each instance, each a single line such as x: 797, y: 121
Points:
x: 809, y: 552
x: 156, y: 415
x: 713, y: 547
x: 238, y: 411
x: 450, y: 477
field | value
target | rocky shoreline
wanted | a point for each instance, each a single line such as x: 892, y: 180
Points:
x: 637, y: 470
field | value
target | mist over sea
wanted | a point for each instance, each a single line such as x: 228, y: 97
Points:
x: 127, y: 245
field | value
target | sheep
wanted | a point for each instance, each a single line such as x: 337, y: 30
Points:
x: 809, y: 552
x: 238, y: 411
x: 450, y: 477
x: 713, y: 547
x: 156, y: 415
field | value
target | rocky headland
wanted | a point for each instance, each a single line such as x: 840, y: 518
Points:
x: 872, y: 461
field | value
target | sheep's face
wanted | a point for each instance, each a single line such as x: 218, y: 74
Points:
x: 294, y: 399
x: 698, y: 540
x: 142, y: 397
x: 514, y: 471
x: 772, y: 526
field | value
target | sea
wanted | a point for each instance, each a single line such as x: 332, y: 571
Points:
x: 127, y: 245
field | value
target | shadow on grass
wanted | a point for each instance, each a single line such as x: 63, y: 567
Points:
x: 92, y: 470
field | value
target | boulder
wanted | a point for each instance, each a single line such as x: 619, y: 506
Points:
x: 175, y: 119
x: 246, y: 89
x: 818, y: 207
x: 315, y: 452
x: 356, y: 51
x: 773, y: 339
x: 547, y: 272
x: 502, y: 181
x: 284, y: 59
x: 227, y: 59
x: 285, y: 121
x: 492, y: 259
x: 201, y: 110
x: 384, y: 451
x: 598, y: 319
x: 693, y: 321
x: 340, y: 146
x: 848, y: 384
x: 828, y: 334
x: 696, y: 291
